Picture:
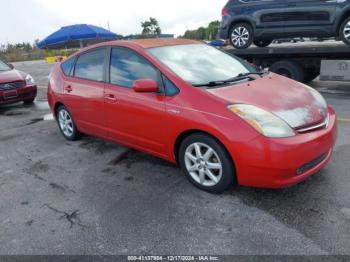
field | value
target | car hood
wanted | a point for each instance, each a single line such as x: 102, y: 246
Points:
x: 294, y: 102
x: 11, y: 76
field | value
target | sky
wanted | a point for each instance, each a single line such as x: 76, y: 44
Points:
x: 27, y: 20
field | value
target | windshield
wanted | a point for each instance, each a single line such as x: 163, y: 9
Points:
x: 4, y: 66
x: 199, y: 63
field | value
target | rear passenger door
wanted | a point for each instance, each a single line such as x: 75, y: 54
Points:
x: 302, y: 13
x: 84, y: 89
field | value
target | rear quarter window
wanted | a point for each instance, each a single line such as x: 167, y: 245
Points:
x: 67, y: 67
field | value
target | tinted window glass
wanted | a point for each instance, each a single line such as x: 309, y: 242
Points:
x: 170, y: 88
x: 67, y: 67
x: 127, y: 66
x: 90, y: 65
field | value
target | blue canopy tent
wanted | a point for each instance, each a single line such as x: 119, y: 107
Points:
x: 75, y: 36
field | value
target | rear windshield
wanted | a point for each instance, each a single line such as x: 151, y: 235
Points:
x: 4, y: 66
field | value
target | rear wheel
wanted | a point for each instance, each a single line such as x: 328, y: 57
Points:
x: 241, y: 35
x: 66, y: 124
x: 262, y: 43
x: 206, y: 163
x: 290, y: 69
x: 345, y: 31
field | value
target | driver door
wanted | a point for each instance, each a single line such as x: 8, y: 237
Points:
x: 134, y: 119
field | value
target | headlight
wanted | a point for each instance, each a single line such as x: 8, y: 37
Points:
x: 29, y: 80
x: 264, y: 122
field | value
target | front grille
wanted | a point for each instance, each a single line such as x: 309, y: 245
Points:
x: 11, y: 85
x: 319, y: 125
x: 311, y: 164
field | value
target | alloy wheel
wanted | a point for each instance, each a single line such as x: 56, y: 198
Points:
x: 66, y: 123
x: 203, y: 164
x: 240, y: 36
x: 346, y: 31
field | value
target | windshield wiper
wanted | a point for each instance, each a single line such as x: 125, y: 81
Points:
x: 237, y: 78
x: 261, y: 73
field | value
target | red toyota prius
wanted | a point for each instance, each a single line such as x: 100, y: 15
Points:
x: 219, y: 118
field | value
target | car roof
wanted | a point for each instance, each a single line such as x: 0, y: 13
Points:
x: 159, y: 42
x: 142, y: 43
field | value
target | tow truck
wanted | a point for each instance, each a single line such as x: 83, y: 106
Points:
x: 302, y: 61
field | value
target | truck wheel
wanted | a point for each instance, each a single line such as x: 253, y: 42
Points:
x: 311, y: 75
x: 262, y: 43
x: 345, y: 31
x: 241, y: 35
x: 290, y: 69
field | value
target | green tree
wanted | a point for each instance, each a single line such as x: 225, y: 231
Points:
x: 204, y: 33
x: 151, y: 28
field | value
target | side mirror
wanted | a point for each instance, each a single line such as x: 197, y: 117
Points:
x: 11, y: 66
x: 145, y: 86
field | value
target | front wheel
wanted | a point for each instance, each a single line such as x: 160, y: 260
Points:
x: 241, y: 35
x: 66, y: 124
x: 206, y: 163
x: 345, y: 31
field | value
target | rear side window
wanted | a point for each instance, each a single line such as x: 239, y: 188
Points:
x: 90, y: 65
x: 67, y: 67
x: 127, y: 66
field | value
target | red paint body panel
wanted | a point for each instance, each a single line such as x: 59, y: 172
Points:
x: 23, y: 92
x: 152, y: 122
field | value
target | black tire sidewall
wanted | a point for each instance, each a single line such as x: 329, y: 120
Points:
x: 75, y: 134
x: 347, y: 42
x: 251, y: 35
x: 295, y: 69
x: 228, y: 175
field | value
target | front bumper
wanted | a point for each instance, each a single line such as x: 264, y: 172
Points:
x: 18, y: 94
x: 278, y: 163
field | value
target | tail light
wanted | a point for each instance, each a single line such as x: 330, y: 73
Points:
x: 224, y: 12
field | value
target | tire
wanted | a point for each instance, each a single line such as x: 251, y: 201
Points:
x: 344, y: 33
x: 206, y: 169
x: 66, y: 124
x: 241, y: 35
x: 311, y: 75
x: 28, y: 101
x: 262, y: 43
x: 290, y: 69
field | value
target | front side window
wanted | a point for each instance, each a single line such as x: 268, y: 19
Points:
x: 126, y: 66
x: 199, y: 63
x: 4, y: 66
x: 90, y: 65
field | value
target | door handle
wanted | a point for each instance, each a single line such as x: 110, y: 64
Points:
x: 68, y: 89
x: 111, y: 98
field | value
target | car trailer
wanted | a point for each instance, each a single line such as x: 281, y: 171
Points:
x: 301, y: 61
